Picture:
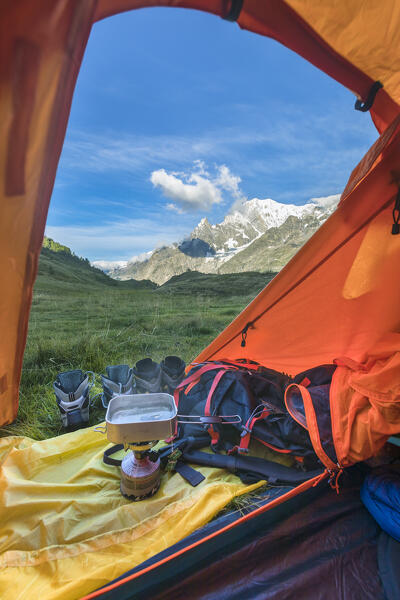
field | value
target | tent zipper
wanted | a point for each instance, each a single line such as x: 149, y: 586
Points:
x: 244, y: 333
x: 396, y: 215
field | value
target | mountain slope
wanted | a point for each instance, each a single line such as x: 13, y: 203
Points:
x: 262, y: 235
x: 59, y: 267
x: 254, y: 218
x: 272, y: 250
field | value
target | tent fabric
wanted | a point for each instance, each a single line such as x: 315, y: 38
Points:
x: 326, y: 550
x: 42, y: 46
x: 218, y: 539
x: 162, y: 570
x: 372, y: 157
x: 389, y: 561
x: 65, y: 528
x: 279, y: 20
x: 339, y: 296
x: 365, y: 33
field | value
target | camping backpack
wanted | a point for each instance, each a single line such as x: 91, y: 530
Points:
x: 333, y: 415
x: 240, y: 401
x: 351, y: 413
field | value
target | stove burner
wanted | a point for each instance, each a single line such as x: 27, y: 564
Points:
x: 140, y: 472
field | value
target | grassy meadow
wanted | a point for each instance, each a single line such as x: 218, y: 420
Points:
x: 80, y: 319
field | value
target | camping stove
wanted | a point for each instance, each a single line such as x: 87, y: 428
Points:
x: 133, y: 420
x: 140, y: 473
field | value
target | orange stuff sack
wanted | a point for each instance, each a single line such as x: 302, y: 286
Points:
x: 365, y: 402
x: 350, y: 413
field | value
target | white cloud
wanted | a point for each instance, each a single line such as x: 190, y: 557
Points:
x: 109, y: 264
x: 228, y: 181
x: 201, y: 167
x: 197, y: 189
x: 190, y: 192
x: 174, y: 208
x: 141, y: 257
x: 327, y: 201
x: 294, y: 147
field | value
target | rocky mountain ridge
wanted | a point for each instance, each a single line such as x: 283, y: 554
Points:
x: 260, y: 235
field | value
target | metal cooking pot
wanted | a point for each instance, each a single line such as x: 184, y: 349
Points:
x: 147, y: 417
x: 139, y: 418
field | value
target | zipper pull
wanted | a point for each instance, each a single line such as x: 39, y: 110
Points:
x: 244, y: 333
x: 396, y: 215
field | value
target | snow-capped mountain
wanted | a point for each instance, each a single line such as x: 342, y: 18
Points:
x: 109, y: 265
x: 259, y: 235
x: 113, y: 266
x: 253, y: 218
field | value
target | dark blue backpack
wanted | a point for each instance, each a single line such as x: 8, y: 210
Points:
x: 251, y: 400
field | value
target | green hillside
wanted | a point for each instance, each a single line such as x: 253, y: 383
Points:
x: 83, y: 319
x: 61, y: 268
x: 228, y: 285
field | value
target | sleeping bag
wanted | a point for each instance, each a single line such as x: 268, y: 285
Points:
x: 381, y: 495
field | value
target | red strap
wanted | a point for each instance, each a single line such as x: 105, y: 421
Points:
x: 191, y: 385
x: 191, y: 380
x: 213, y: 434
x: 245, y: 439
x: 217, y: 379
x: 281, y: 450
x: 245, y: 363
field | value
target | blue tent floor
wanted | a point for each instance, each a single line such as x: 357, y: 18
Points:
x: 318, y: 545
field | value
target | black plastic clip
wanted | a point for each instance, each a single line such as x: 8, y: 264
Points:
x: 234, y: 11
x: 396, y: 215
x: 365, y: 106
x: 244, y: 333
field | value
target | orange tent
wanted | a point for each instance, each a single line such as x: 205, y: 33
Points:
x: 338, y: 299
x: 341, y: 292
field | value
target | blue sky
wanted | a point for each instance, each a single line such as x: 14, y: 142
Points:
x: 178, y: 115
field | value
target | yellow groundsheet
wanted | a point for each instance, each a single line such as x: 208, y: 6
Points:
x: 65, y: 529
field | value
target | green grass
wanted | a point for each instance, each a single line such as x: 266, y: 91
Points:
x: 245, y: 503
x: 226, y: 285
x: 81, y: 320
x: 61, y: 269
